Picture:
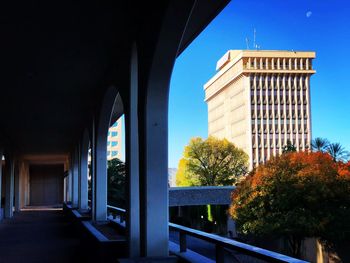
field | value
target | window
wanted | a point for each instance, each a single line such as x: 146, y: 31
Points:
x: 114, y: 143
x: 114, y: 153
x: 114, y: 133
x: 115, y: 124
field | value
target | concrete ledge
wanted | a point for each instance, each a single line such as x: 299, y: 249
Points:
x: 214, y: 195
x: 79, y: 216
x: 189, y: 255
x: 102, y: 249
x: 170, y: 259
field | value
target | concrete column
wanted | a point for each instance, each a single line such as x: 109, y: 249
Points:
x: 75, y: 180
x: 65, y: 189
x: 1, y: 154
x: 153, y: 129
x: 231, y: 227
x: 9, y: 187
x: 92, y: 167
x: 100, y: 181
x: 99, y: 155
x: 17, y: 187
x: 132, y: 160
x: 69, y: 182
x: 83, y: 173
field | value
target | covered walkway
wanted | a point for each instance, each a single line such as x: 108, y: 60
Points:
x: 69, y: 71
x: 39, y: 236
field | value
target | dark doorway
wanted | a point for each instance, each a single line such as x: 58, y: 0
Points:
x: 46, y: 184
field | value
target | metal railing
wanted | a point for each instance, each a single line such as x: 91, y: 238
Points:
x: 116, y: 214
x: 222, y: 244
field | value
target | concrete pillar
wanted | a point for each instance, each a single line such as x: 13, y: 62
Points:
x: 65, y: 189
x: 92, y: 167
x: 99, y: 155
x: 17, y: 187
x: 83, y: 173
x: 69, y: 183
x: 153, y: 131
x: 9, y: 187
x: 231, y: 227
x: 75, y: 178
x: 1, y: 208
x: 100, y: 178
x: 132, y: 161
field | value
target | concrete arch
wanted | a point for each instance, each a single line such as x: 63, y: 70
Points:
x: 155, y: 80
x: 110, y: 108
x: 9, y: 184
x: 83, y: 171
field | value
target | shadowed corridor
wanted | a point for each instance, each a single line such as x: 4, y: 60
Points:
x: 39, y: 236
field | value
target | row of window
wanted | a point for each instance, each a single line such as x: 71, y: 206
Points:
x: 276, y: 92
x: 266, y: 151
x: 277, y: 144
x: 115, y: 124
x: 278, y: 63
x: 274, y: 77
x: 112, y: 133
x: 276, y: 107
x: 281, y: 101
x: 258, y: 88
x: 276, y: 121
x: 112, y: 143
x: 265, y: 136
x: 288, y: 129
x: 112, y: 153
x: 270, y: 114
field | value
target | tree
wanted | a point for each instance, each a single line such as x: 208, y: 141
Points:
x: 184, y: 176
x: 211, y: 162
x: 294, y: 196
x: 116, y: 182
x: 289, y: 147
x: 337, y: 152
x: 319, y: 144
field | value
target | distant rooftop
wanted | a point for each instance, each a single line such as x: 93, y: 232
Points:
x: 235, y: 55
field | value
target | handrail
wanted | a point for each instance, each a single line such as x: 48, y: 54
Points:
x: 222, y: 242
x: 116, y: 208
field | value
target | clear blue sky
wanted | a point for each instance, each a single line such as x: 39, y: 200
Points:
x: 282, y: 25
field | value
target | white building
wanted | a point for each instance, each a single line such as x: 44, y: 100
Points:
x: 260, y: 99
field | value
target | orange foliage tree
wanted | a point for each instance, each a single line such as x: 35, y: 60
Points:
x: 295, y: 195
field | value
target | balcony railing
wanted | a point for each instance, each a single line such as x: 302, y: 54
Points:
x: 222, y: 245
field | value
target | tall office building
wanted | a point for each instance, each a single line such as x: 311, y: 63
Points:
x: 261, y: 99
x: 114, y: 140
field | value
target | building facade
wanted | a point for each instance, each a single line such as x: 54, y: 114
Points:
x: 114, y: 140
x: 261, y: 99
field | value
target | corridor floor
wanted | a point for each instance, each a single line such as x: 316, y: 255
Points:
x: 38, y: 236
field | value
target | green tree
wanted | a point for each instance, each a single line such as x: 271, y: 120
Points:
x: 338, y: 152
x: 211, y: 162
x: 289, y: 147
x: 184, y: 176
x: 319, y: 144
x: 294, y: 196
x: 116, y: 183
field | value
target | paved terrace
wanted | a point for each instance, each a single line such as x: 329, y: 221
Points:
x: 39, y: 236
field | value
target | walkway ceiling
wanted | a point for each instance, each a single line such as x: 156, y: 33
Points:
x: 58, y: 57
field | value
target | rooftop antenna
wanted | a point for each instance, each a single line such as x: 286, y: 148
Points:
x: 256, y: 46
x: 254, y: 38
x: 247, y: 42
